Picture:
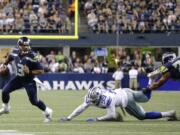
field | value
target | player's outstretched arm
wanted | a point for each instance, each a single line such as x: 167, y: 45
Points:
x: 160, y: 82
x: 81, y: 108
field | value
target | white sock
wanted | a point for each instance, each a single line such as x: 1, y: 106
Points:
x: 5, y: 105
x: 48, y: 110
x: 166, y: 114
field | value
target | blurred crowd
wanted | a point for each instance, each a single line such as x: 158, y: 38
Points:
x: 35, y: 16
x: 111, y: 16
x: 144, y: 62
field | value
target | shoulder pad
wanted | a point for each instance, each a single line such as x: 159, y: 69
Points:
x: 34, y: 57
x: 15, y: 51
x: 37, y: 57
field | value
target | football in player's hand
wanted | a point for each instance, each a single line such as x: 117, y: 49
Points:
x: 4, y: 70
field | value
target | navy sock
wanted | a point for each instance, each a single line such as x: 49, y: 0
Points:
x: 153, y: 115
x: 147, y: 93
x: 41, y: 105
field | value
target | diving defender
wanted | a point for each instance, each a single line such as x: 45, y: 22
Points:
x: 111, y: 99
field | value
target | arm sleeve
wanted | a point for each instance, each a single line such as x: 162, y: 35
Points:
x: 38, y: 66
x: 161, y: 70
x: 111, y: 114
x: 81, y: 108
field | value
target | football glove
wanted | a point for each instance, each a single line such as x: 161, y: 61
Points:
x: 64, y: 119
x: 91, y: 120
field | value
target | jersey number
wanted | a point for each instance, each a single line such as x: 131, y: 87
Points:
x: 20, y: 69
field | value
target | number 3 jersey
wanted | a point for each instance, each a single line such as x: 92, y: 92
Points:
x: 19, y: 61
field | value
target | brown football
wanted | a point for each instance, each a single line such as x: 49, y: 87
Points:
x: 4, y: 71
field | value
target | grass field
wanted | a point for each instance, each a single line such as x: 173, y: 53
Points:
x: 24, y: 118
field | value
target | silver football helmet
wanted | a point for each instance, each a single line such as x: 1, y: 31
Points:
x: 94, y: 94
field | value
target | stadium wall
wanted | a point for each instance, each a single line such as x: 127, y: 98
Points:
x: 72, y: 81
x: 91, y: 39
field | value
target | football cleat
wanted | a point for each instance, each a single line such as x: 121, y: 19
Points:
x: 48, y: 115
x: 173, y: 116
x: 5, y: 109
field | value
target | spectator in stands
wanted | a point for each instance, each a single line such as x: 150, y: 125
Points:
x: 148, y: 62
x: 54, y: 66
x: 96, y: 68
x: 104, y: 67
x: 92, y: 20
x: 63, y: 67
x: 88, y: 66
x: 51, y: 56
x: 73, y: 57
x: 59, y: 57
x: 78, y: 67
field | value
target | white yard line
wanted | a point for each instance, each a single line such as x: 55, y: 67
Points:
x: 118, y: 132
x: 91, y: 124
x: 13, y: 132
x: 7, y: 131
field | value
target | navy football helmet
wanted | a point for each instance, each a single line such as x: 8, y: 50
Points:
x: 168, y: 57
x: 24, y: 44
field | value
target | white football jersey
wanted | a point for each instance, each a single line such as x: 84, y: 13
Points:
x: 109, y: 98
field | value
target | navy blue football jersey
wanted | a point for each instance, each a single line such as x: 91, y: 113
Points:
x: 172, y: 67
x: 30, y: 60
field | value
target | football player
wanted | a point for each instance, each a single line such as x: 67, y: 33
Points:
x: 170, y: 69
x: 110, y: 99
x: 27, y: 67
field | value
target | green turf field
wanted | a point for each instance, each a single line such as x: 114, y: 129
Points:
x: 24, y: 118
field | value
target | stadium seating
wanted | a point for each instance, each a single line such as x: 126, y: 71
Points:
x: 35, y: 17
x: 127, y: 16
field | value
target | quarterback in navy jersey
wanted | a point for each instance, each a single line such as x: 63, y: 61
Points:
x: 27, y: 67
x: 170, y: 69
